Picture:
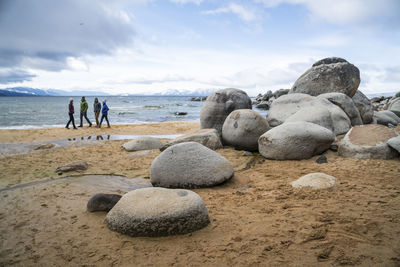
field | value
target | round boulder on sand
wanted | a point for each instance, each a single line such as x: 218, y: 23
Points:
x: 313, y: 114
x: 394, y: 106
x: 295, y: 140
x: 220, y: 104
x: 158, y: 212
x: 328, y: 75
x: 346, y: 104
x: 364, y: 107
x: 368, y: 142
x: 207, y: 137
x: 316, y: 180
x: 242, y: 128
x: 386, y: 117
x: 189, y: 165
x: 142, y: 143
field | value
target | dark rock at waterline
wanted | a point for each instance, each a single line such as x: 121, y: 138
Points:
x: 321, y: 159
x: 198, y: 98
x: 180, y: 113
x: 102, y: 202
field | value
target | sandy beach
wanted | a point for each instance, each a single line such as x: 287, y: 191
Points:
x: 257, y: 218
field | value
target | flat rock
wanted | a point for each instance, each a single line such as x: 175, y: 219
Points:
x: 394, y: 143
x: 346, y: 104
x: 242, y: 128
x: 73, y: 166
x: 207, y: 137
x: 364, y: 107
x: 189, y: 165
x: 295, y: 140
x: 386, y: 117
x: 327, y: 76
x: 142, y: 143
x: 368, y: 142
x: 220, y: 104
x: 102, y: 202
x: 317, y: 180
x: 156, y: 212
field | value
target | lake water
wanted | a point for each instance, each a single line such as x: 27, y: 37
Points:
x: 49, y: 112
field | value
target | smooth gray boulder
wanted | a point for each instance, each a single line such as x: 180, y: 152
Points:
x: 314, y: 114
x: 156, y: 212
x: 220, y: 104
x: 368, y: 142
x: 142, y: 143
x: 295, y: 140
x: 394, y: 143
x: 364, y: 107
x: 394, y: 106
x: 386, y: 117
x: 242, y: 128
x: 287, y: 105
x: 102, y: 202
x: 346, y: 104
x: 189, y: 165
x: 316, y: 180
x: 327, y: 76
x: 207, y: 137
x: 73, y: 166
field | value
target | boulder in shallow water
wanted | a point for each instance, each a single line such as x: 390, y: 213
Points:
x: 364, y: 107
x: 242, y: 128
x: 207, y: 137
x: 142, y: 143
x: 73, y: 166
x: 316, y: 180
x: 156, y: 212
x: 220, y: 104
x: 368, y: 142
x: 327, y: 76
x: 102, y: 202
x: 386, y: 117
x: 295, y: 140
x: 189, y: 165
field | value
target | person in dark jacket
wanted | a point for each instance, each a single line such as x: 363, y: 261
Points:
x: 84, y: 108
x: 104, y: 112
x: 96, y: 109
x: 71, y: 114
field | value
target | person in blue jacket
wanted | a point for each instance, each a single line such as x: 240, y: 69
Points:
x: 104, y: 114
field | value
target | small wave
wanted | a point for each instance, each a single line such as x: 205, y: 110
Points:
x: 126, y: 113
x: 27, y: 127
x: 153, y: 107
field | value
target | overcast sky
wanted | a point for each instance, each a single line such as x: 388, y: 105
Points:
x: 149, y: 46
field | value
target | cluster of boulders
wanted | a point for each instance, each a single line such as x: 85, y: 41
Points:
x: 323, y: 105
x: 198, y: 98
x: 265, y: 101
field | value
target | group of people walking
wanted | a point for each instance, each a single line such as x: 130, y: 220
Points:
x: 97, y: 108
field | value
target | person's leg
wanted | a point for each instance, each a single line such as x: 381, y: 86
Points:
x: 81, y: 117
x: 101, y: 121
x: 67, y: 126
x: 96, y: 115
x: 73, y: 120
x: 85, y: 114
x: 108, y: 124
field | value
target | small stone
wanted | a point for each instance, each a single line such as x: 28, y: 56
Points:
x: 45, y: 146
x: 315, y: 180
x: 247, y: 154
x: 102, y: 202
x: 334, y: 147
x: 322, y: 159
x: 73, y: 166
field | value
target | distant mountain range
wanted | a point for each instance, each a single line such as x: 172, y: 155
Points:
x: 27, y: 91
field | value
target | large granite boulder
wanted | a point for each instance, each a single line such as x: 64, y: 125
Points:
x: 386, y: 117
x: 242, y: 128
x: 346, y: 104
x: 220, y: 104
x: 142, y: 143
x: 102, y: 202
x: 394, y: 106
x: 287, y: 105
x: 207, y: 137
x: 314, y: 114
x: 364, y: 106
x: 316, y: 180
x: 328, y: 75
x: 394, y: 143
x: 189, y: 165
x: 368, y: 142
x: 158, y: 212
x: 295, y: 140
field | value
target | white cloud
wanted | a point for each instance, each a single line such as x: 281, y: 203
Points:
x: 197, y: 2
x: 244, y: 13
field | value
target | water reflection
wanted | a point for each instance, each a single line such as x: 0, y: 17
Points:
x: 88, y: 138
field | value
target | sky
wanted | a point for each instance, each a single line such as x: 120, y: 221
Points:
x: 159, y: 46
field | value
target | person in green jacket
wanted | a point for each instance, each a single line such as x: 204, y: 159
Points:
x: 84, y: 108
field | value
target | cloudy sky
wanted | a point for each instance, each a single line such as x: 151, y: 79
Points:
x: 149, y: 46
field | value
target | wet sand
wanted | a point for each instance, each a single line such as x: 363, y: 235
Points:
x: 257, y: 218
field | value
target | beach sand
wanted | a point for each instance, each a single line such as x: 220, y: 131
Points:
x: 257, y: 218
